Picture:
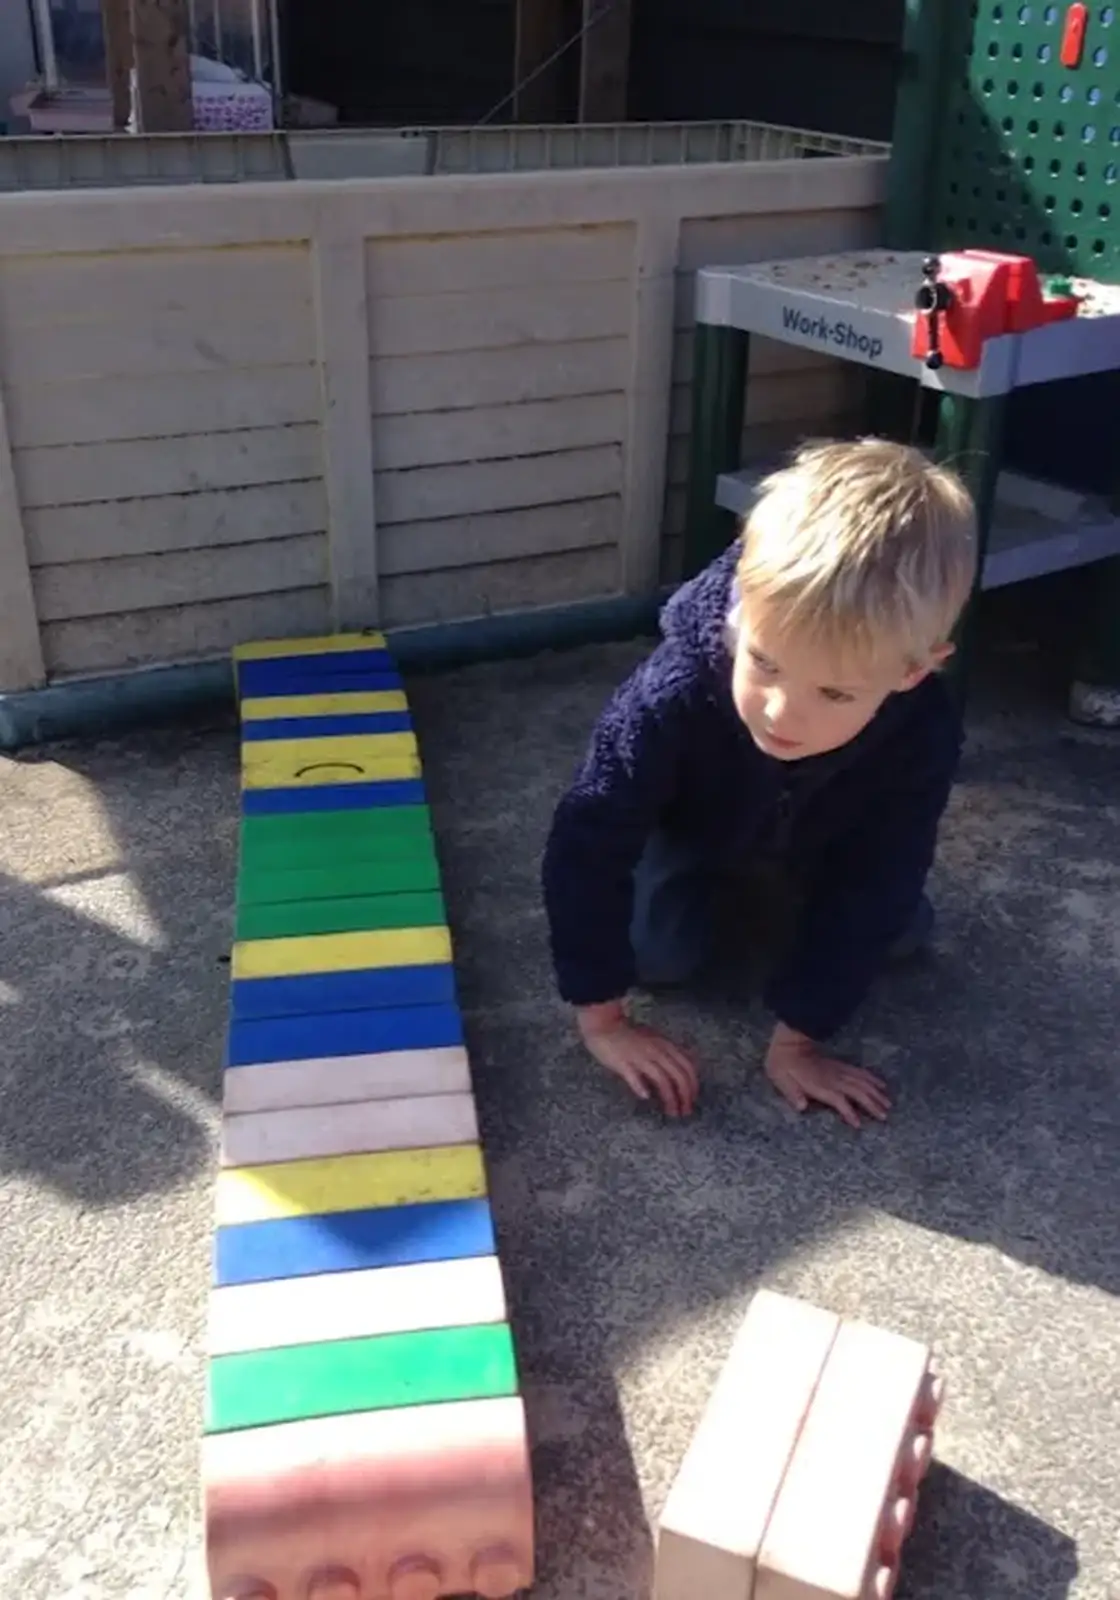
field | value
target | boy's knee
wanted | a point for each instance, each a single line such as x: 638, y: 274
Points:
x: 665, y: 965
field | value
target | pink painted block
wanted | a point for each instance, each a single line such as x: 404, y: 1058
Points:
x: 847, y: 1501
x: 355, y: 1305
x: 386, y: 1505
x: 333, y: 1080
x: 714, y: 1521
x: 259, y: 1137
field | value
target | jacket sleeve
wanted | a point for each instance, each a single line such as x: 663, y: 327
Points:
x: 866, y: 890
x: 600, y: 828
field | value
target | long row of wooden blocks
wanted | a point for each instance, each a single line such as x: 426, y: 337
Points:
x: 365, y: 1436
x: 801, y: 1481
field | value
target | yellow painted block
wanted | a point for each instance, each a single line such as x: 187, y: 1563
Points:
x: 349, y: 1183
x: 325, y: 645
x: 345, y: 758
x: 341, y: 952
x: 324, y: 705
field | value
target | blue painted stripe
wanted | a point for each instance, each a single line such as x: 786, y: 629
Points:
x: 333, y: 797
x: 350, y: 1241
x: 346, y: 1033
x: 328, y: 674
x: 313, y: 727
x: 313, y: 993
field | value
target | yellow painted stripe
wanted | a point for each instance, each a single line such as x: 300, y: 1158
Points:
x: 324, y: 705
x: 325, y: 645
x: 344, y: 758
x: 349, y: 1183
x: 341, y: 952
x: 285, y: 775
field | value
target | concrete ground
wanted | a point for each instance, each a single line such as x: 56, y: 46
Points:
x: 985, y: 1216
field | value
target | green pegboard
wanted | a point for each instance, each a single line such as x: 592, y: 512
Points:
x: 1025, y: 152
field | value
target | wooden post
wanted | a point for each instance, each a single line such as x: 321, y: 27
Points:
x: 342, y: 314
x: 21, y: 652
x: 539, y: 32
x: 160, y: 34
x: 116, y: 24
x: 604, y: 74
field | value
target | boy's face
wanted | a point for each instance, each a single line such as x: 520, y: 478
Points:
x: 796, y: 701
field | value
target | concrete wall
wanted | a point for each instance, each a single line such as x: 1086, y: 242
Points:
x: 229, y: 412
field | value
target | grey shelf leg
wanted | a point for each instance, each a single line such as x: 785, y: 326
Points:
x: 719, y: 399
x: 970, y: 440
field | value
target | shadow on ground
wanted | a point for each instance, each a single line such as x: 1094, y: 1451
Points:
x: 982, y: 1217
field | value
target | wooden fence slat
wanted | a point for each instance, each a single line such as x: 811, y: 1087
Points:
x: 21, y: 653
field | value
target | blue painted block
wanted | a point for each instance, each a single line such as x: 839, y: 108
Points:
x: 314, y: 993
x: 363, y: 670
x: 327, y: 727
x: 350, y: 1241
x: 333, y: 797
x: 346, y: 1033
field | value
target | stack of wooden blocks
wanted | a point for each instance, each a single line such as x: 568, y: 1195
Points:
x: 365, y: 1434
x: 801, y: 1481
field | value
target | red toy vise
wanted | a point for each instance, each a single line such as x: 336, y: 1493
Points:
x: 972, y: 295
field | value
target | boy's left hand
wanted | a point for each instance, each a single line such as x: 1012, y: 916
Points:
x: 801, y: 1072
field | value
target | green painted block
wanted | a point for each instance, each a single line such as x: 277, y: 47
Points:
x: 255, y: 1388
x: 360, y: 914
x: 311, y: 837
x: 339, y: 880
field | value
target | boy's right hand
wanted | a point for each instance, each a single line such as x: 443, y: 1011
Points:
x: 644, y: 1060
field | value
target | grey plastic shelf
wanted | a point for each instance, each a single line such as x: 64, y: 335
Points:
x: 1037, y: 527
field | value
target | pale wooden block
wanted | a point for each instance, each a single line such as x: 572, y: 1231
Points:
x: 336, y: 1080
x: 715, y: 1519
x: 413, y: 1502
x: 259, y: 1137
x: 355, y: 1305
x: 825, y: 1536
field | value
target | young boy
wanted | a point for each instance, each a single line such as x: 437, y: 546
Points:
x: 791, y: 713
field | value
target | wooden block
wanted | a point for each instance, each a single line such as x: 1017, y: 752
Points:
x: 267, y: 680
x: 392, y: 1505
x: 307, y: 763
x: 344, y: 1034
x: 265, y: 884
x: 338, y: 727
x: 334, y: 1080
x: 333, y: 797
x: 355, y: 1305
x: 361, y: 913
x: 349, y: 1183
x: 825, y: 1540
x: 341, y: 952
x: 714, y: 1521
x: 331, y: 644
x: 387, y: 1236
x: 323, y: 705
x: 316, y: 838
x: 259, y: 1137
x: 255, y: 1388
x: 318, y: 993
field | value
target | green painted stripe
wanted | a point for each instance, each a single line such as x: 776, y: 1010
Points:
x: 341, y: 880
x: 359, y: 914
x: 255, y: 1388
x: 322, y: 835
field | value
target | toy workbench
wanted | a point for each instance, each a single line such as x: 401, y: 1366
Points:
x: 973, y: 326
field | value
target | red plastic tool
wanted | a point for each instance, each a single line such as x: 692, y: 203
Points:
x: 1073, y: 35
x: 973, y: 295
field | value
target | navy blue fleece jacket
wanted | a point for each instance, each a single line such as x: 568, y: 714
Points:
x: 859, y: 823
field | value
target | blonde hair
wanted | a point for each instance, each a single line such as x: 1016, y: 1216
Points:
x: 861, y: 546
